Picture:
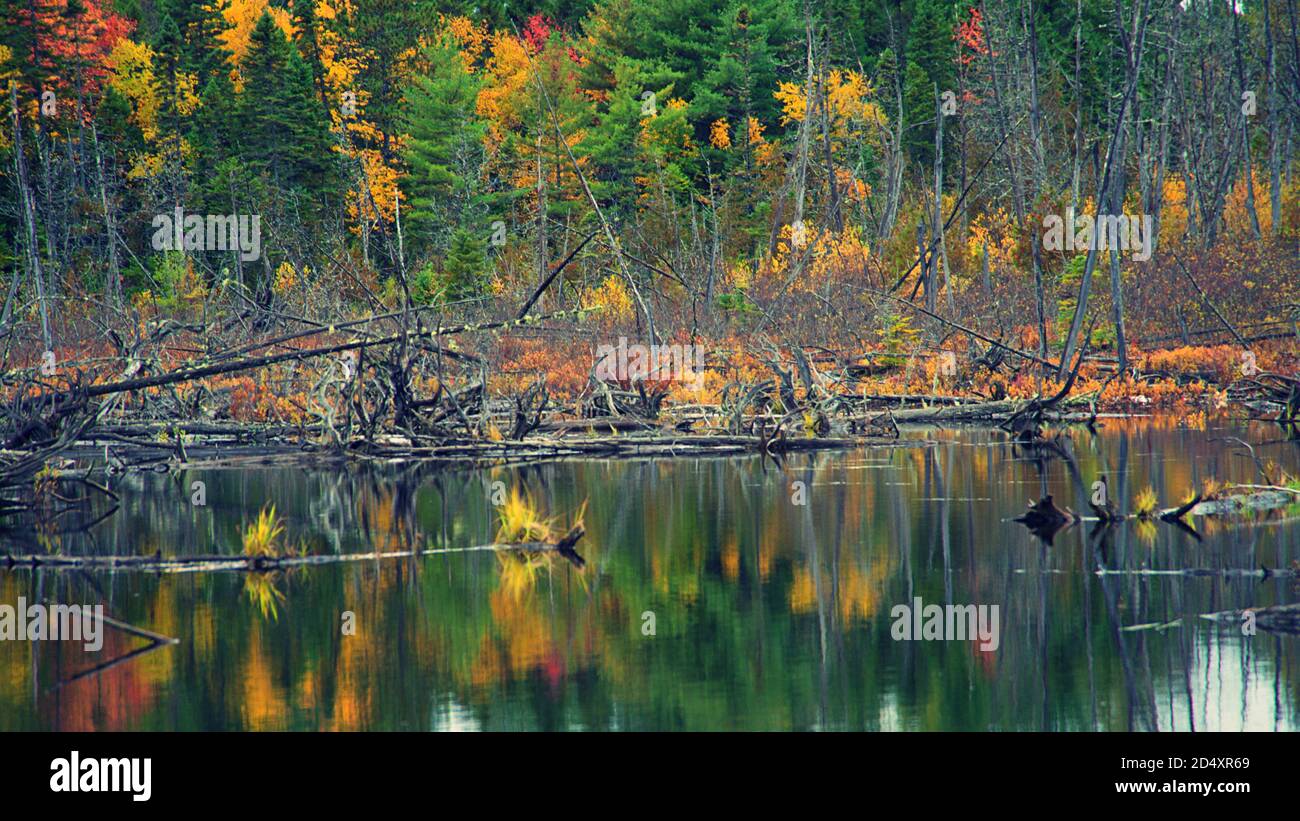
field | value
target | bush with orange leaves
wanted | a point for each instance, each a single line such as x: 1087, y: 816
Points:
x: 1223, y: 363
x: 566, y: 364
x: 254, y: 400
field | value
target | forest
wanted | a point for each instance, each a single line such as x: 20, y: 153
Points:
x: 833, y: 201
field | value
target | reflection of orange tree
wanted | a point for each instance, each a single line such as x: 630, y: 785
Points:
x: 856, y: 590
x: 116, y: 699
x: 522, y: 637
x: 377, y: 509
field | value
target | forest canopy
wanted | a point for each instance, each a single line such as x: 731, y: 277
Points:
x: 704, y: 170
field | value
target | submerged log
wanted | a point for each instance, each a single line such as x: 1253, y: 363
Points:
x: 1283, y: 618
x: 1259, y: 501
x: 265, y: 564
x: 1176, y: 514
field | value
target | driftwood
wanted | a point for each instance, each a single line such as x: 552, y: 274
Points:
x: 1241, y: 504
x: 217, y: 368
x: 1284, y: 618
x: 1177, y: 513
x: 1225, y: 572
x: 265, y: 564
x: 973, y: 412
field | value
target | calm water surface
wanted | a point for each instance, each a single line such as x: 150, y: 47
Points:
x: 767, y: 614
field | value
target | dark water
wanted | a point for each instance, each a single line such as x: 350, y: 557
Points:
x: 767, y: 614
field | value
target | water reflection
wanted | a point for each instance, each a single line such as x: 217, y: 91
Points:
x: 767, y: 614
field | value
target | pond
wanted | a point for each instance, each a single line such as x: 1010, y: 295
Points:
x: 718, y: 594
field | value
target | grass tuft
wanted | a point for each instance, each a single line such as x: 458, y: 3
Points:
x: 1144, y: 506
x: 520, y: 521
x: 262, y: 537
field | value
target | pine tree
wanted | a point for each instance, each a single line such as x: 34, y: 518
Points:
x: 612, y: 144
x: 283, y: 130
x: 173, y: 102
x: 213, y: 139
x: 931, y: 62
x: 669, y: 43
x: 201, y: 23
x: 306, y: 30
x: 444, y: 149
x: 384, y: 33
x: 757, y: 39
x: 465, y: 265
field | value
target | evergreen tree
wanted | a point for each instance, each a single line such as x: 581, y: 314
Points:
x: 212, y: 139
x: 201, y: 24
x: 670, y: 43
x: 384, y: 33
x: 283, y: 129
x: 306, y: 28
x: 173, y: 104
x: 612, y: 144
x: 931, y: 63
x: 444, y: 148
x: 757, y: 40
x: 465, y: 266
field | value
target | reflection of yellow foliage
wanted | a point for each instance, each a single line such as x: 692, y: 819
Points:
x: 524, y: 631
x: 263, y: 703
x: 519, y: 571
x: 731, y: 558
x: 858, y: 595
x: 1146, y: 531
x: 354, y: 702
x: 487, y: 668
x: 261, y: 591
